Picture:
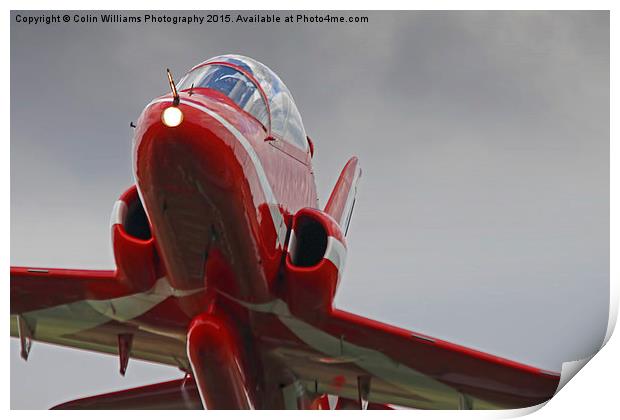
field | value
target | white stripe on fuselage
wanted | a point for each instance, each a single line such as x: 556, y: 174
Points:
x: 274, y: 208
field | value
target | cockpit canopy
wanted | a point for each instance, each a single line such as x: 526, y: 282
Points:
x: 255, y: 89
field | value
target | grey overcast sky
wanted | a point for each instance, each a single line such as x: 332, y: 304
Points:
x: 483, y: 214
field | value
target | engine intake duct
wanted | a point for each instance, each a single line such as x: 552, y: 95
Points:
x: 132, y: 241
x: 308, y: 241
x: 136, y: 223
x: 315, y: 258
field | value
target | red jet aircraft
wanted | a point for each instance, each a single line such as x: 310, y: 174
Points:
x: 227, y: 268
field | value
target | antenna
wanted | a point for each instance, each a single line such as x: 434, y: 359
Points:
x: 173, y: 87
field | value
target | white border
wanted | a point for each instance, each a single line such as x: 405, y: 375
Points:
x: 594, y: 394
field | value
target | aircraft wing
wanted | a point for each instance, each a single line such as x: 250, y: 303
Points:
x: 341, y: 354
x: 78, y: 309
x: 363, y: 360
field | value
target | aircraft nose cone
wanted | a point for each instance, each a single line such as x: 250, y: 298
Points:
x: 166, y: 146
x: 185, y: 174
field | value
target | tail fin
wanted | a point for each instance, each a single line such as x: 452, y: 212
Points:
x: 342, y: 199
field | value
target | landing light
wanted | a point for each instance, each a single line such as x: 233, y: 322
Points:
x: 172, y: 116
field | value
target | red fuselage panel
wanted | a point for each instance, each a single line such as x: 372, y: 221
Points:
x: 214, y: 185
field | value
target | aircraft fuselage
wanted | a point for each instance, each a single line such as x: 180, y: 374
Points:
x: 219, y: 198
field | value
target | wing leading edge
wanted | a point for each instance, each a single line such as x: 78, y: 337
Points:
x: 90, y: 310
x: 343, y: 354
x: 344, y: 351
